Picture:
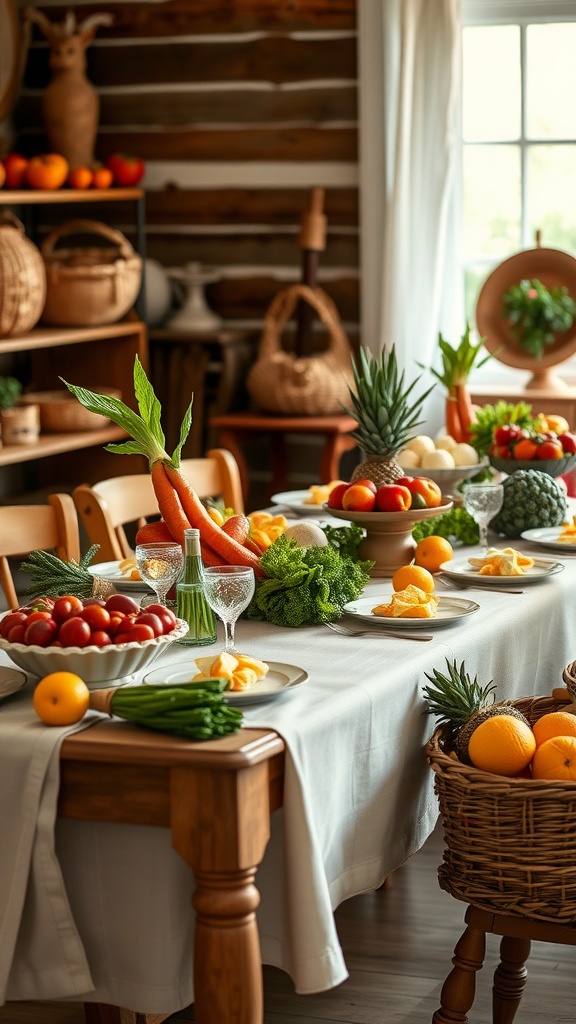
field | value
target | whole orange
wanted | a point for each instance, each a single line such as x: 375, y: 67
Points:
x: 61, y: 698
x: 413, y: 575
x: 555, y: 723
x: 432, y: 551
x: 555, y: 759
x: 502, y: 744
x: 80, y: 177
x: 47, y: 171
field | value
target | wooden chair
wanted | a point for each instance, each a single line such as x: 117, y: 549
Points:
x: 24, y: 528
x: 107, y: 507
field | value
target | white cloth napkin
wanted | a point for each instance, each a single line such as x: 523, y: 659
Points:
x: 38, y: 938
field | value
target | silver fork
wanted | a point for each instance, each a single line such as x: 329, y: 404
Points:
x: 454, y: 585
x: 345, y: 631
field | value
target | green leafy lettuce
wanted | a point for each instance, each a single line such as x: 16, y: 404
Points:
x: 306, y: 586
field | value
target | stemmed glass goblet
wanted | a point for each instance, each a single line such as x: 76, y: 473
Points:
x: 483, y: 501
x: 228, y: 590
x: 160, y: 565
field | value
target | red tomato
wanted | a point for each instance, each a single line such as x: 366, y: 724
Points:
x: 99, y: 638
x: 135, y: 634
x: 67, y: 606
x: 96, y: 616
x: 121, y: 603
x: 508, y: 432
x: 116, y: 623
x: 94, y: 600
x: 568, y: 442
x: 41, y: 632
x: 74, y: 632
x: 10, y: 620
x: 16, y: 634
x: 126, y: 170
x: 149, y: 619
x: 166, y: 616
x: 35, y: 616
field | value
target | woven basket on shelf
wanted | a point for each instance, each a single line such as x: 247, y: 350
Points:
x: 510, y: 842
x: 61, y: 412
x: 89, y: 285
x: 22, y: 278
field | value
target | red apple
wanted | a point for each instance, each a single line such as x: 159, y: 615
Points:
x: 336, y: 495
x: 393, y: 498
x: 365, y: 482
x: 358, y: 498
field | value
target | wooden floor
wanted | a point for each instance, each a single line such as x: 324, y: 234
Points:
x: 398, y: 944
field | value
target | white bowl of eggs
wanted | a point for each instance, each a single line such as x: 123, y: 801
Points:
x: 442, y: 459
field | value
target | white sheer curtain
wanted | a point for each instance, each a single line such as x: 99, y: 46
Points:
x: 409, y: 86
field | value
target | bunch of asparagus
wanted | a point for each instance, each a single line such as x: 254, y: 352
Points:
x: 197, y: 711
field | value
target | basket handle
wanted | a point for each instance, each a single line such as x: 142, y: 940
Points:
x: 10, y: 219
x: 281, y: 309
x: 76, y: 227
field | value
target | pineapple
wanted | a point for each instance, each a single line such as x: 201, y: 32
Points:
x: 463, y: 704
x: 385, y: 415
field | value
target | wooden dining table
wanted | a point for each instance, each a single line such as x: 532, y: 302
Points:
x: 320, y: 796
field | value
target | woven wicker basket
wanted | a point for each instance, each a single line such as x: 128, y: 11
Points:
x: 88, y: 286
x: 22, y: 277
x: 61, y: 412
x: 511, y: 843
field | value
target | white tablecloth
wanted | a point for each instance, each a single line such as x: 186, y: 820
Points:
x: 358, y: 800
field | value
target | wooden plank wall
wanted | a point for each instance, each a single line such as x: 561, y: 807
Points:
x: 239, y: 108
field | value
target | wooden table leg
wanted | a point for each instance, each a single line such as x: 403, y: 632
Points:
x: 509, y: 979
x: 459, y: 989
x: 334, y: 448
x: 221, y: 826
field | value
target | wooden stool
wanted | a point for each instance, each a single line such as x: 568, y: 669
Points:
x: 235, y: 429
x: 510, y: 976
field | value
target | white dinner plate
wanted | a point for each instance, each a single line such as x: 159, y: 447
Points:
x: 450, y: 610
x: 460, y: 570
x: 294, y: 500
x: 280, y: 680
x: 548, y: 538
x: 11, y: 680
x: 111, y: 571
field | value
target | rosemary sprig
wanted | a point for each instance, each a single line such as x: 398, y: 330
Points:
x: 52, y: 576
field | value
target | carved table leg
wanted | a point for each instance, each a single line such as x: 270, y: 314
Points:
x: 221, y: 826
x: 510, y: 979
x: 459, y: 988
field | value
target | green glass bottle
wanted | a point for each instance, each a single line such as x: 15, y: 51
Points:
x: 191, y: 603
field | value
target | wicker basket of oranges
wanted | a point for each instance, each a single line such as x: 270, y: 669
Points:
x: 510, y: 841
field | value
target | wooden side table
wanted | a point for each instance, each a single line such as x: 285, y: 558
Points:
x: 237, y: 429
x: 557, y: 403
x: 183, y: 363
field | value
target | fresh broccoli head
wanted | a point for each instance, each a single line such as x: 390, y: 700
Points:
x: 531, y: 500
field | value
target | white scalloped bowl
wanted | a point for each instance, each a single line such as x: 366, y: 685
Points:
x: 449, y: 477
x: 97, y: 666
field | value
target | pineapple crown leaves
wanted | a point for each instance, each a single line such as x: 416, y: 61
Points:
x: 380, y: 403
x: 455, y: 697
x: 146, y: 434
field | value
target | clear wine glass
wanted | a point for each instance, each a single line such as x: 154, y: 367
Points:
x: 229, y: 590
x: 160, y: 564
x: 483, y: 501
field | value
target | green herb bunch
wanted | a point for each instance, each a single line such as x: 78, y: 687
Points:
x: 455, y: 525
x: 537, y: 314
x: 306, y: 586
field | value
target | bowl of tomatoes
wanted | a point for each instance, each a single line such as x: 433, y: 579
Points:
x: 105, y: 642
x: 521, y: 448
x: 553, y: 467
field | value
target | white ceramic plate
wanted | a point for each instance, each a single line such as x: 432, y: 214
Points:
x: 548, y: 538
x: 10, y: 681
x: 460, y: 570
x: 294, y: 500
x: 280, y: 680
x: 111, y: 571
x: 450, y: 610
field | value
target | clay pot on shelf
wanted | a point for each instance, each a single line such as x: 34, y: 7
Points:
x: 20, y: 424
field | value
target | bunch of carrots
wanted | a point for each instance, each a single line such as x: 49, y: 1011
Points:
x: 178, y: 503
x: 457, y: 364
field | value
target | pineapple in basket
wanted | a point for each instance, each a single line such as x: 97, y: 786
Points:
x: 495, y: 737
x: 386, y: 413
